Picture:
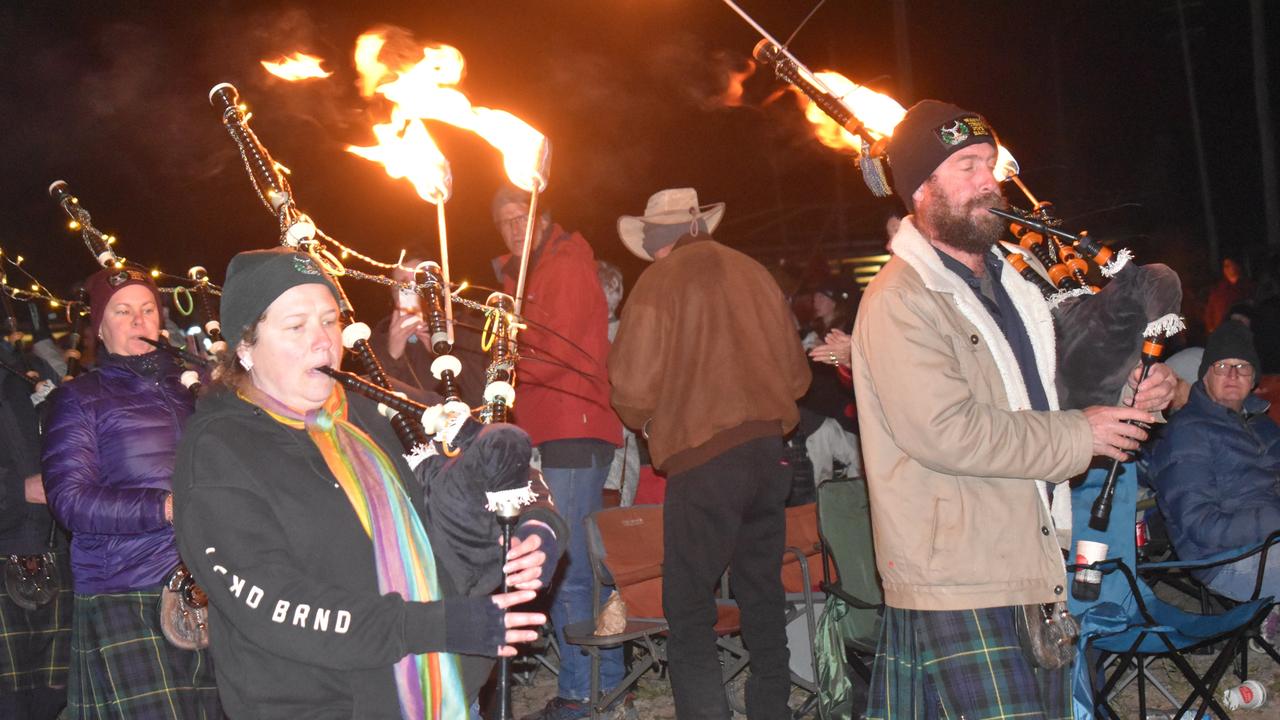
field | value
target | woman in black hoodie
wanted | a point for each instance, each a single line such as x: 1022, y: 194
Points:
x: 327, y: 599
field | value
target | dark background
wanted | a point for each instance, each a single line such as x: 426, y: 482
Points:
x: 1091, y: 97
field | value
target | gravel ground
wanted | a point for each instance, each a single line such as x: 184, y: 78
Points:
x: 651, y: 698
x: 652, y: 695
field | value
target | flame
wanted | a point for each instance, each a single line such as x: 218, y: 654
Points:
x: 407, y: 151
x: 1006, y: 165
x: 298, y: 66
x: 878, y: 112
x: 426, y: 90
x: 368, y: 66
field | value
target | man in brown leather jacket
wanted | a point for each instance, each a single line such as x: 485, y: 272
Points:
x: 708, y: 366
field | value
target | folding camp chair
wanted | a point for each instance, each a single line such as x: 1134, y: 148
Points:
x: 849, y: 624
x: 1128, y: 627
x: 625, y: 544
x: 801, y: 573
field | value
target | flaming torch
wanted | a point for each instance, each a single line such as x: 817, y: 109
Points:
x: 427, y: 90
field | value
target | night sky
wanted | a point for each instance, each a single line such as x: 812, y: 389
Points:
x: 1090, y: 96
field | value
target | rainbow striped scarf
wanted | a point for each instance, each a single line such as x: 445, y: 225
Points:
x: 429, y: 685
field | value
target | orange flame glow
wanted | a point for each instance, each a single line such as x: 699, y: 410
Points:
x: 407, y: 151
x: 1006, y: 165
x: 878, y: 112
x: 298, y: 66
x: 426, y: 90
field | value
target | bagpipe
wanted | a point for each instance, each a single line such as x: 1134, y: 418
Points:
x: 1111, y: 313
x: 34, y: 298
x: 196, y: 300
x: 475, y: 474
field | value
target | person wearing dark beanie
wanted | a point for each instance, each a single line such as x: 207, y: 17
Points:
x: 1230, y: 347
x: 931, y: 132
x: 256, y: 278
x: 109, y: 445
x: 1216, y: 469
x: 948, y: 313
x: 293, y: 507
x: 104, y: 284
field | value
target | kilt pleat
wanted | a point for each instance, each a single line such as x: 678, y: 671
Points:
x: 122, y: 667
x: 961, y: 664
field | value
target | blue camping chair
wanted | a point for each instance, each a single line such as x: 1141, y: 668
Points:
x: 1128, y: 627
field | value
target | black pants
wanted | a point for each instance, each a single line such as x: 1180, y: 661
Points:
x: 727, y: 512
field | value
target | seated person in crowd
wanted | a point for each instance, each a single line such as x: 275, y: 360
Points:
x: 1216, y: 472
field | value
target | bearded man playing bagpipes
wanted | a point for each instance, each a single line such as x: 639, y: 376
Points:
x: 964, y: 444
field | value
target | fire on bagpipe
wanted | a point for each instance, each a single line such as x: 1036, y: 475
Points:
x: 1134, y: 302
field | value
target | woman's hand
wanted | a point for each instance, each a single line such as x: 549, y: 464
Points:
x: 518, y: 622
x: 524, y: 562
x: 835, y: 349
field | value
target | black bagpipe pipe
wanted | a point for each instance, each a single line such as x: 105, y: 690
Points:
x: 99, y: 244
x: 269, y: 181
x: 392, y: 402
x: 205, y: 312
x: 12, y: 333
x: 355, y: 337
x: 76, y: 315
x: 1100, y: 513
x: 298, y: 231
x: 189, y: 378
x: 499, y: 389
x: 399, y: 409
x: 445, y: 367
x: 28, y: 376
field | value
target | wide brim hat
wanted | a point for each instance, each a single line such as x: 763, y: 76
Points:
x: 675, y: 206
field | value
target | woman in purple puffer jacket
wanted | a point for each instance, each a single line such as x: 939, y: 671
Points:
x: 109, y: 447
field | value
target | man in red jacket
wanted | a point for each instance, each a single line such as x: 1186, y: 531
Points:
x: 562, y: 401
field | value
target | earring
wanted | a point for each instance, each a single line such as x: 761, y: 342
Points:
x: 246, y: 361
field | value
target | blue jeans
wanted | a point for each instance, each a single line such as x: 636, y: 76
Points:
x: 576, y: 492
x: 1236, y: 580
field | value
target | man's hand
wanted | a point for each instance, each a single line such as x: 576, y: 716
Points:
x: 402, y: 325
x: 33, y: 487
x: 1158, y: 390
x: 1112, y: 436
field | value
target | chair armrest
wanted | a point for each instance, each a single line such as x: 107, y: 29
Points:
x: 1223, y: 558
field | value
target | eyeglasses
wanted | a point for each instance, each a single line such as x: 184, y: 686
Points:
x: 514, y: 222
x: 1243, y: 369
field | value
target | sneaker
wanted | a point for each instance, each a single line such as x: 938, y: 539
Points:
x: 559, y: 708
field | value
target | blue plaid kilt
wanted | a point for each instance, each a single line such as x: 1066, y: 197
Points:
x: 122, y: 667
x: 35, y: 644
x: 961, y: 664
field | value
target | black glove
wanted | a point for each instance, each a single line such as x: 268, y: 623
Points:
x: 474, y: 626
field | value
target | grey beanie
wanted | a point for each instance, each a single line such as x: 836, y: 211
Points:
x: 256, y: 278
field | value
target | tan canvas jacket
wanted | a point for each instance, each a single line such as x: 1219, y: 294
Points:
x: 953, y: 456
